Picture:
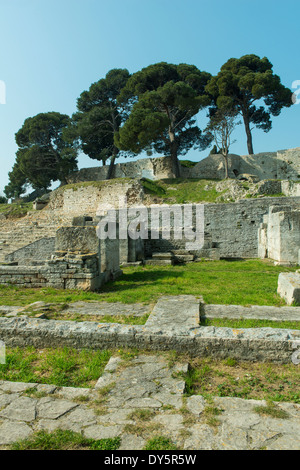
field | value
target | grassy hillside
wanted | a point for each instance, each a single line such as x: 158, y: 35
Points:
x: 182, y: 191
x: 15, y: 210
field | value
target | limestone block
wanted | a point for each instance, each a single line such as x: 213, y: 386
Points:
x: 81, y: 239
x: 289, y: 287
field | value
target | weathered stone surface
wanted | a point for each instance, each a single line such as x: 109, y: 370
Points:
x: 21, y: 409
x: 131, y: 442
x: 98, y: 431
x: 279, y: 234
x: 173, y: 312
x: 11, y: 432
x: 173, y: 325
x: 251, y: 312
x: 15, y: 387
x: 289, y: 287
x: 50, y: 408
x: 195, y: 404
x: 238, y: 426
x: 106, y: 308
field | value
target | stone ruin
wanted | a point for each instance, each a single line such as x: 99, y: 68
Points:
x: 281, y: 165
x: 77, y: 259
x: 67, y: 252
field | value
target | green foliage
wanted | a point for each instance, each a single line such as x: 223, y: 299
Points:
x: 187, y: 163
x: 151, y: 187
x: 164, y: 99
x: 43, y: 154
x: 250, y: 323
x: 271, y: 410
x: 99, y: 117
x: 242, y: 82
x: 232, y: 378
x: 18, y: 182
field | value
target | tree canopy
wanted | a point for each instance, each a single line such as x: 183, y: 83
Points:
x: 249, y: 86
x: 153, y: 110
x: 100, y: 116
x: 163, y: 100
x: 43, y: 155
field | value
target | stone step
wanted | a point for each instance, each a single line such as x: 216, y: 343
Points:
x: 162, y: 256
x: 158, y: 262
x: 184, y: 258
x: 180, y: 252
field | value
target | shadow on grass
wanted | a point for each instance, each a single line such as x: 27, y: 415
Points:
x: 136, y: 279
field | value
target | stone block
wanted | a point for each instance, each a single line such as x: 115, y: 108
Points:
x: 77, y: 239
x: 158, y: 262
x: 289, y: 287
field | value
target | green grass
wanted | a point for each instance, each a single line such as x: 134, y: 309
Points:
x: 232, y: 378
x: 250, y: 323
x: 160, y: 443
x: 206, y: 376
x: 64, y: 440
x: 271, y: 410
x: 181, y: 191
x: 15, y: 210
x: 243, y: 282
x: 56, y: 313
x: 95, y: 184
x: 62, y: 366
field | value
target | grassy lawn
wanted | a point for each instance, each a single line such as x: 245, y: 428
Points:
x: 232, y: 378
x: 207, y: 376
x: 250, y: 323
x: 242, y: 282
x: 61, y: 366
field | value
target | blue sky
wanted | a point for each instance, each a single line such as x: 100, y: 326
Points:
x: 51, y: 51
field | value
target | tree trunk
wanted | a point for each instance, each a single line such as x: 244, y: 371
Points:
x: 248, y: 133
x: 176, y: 169
x: 226, y: 165
x: 111, y: 166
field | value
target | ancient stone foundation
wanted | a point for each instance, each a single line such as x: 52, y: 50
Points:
x: 80, y: 271
x: 80, y: 261
x: 174, y: 325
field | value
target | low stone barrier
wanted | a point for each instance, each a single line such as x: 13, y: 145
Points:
x: 173, y: 325
x: 256, y: 312
x: 68, y: 272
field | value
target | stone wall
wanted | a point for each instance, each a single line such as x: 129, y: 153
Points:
x: 80, y: 261
x: 279, y: 234
x: 282, y: 165
x: 231, y: 228
x: 68, y: 272
x: 151, y: 168
x: 84, y: 240
x: 39, y: 250
x: 92, y: 199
